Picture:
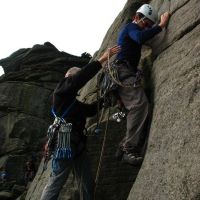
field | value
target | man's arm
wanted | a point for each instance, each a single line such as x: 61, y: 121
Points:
x: 142, y: 36
x: 70, y: 85
x: 78, y: 80
x: 85, y: 74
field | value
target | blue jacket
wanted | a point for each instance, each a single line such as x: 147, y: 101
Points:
x: 131, y: 38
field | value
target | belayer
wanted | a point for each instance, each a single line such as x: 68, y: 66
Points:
x: 65, y: 137
x: 131, y: 38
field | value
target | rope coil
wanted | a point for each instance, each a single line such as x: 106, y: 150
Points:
x: 112, y: 71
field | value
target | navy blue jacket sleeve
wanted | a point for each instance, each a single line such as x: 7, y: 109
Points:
x: 141, y: 36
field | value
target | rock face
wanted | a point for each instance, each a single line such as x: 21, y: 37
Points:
x: 171, y: 167
x: 171, y: 63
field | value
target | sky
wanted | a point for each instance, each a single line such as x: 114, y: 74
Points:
x: 73, y: 26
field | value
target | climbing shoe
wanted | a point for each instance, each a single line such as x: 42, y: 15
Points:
x: 132, y: 158
x: 119, y: 154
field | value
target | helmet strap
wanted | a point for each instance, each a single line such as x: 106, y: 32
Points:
x: 137, y: 22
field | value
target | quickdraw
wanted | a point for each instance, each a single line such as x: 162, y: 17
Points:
x: 63, y: 147
x: 59, y: 137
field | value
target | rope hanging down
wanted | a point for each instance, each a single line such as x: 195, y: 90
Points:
x: 101, y: 155
x: 105, y: 133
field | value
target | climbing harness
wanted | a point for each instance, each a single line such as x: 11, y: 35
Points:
x: 112, y: 69
x: 110, y: 80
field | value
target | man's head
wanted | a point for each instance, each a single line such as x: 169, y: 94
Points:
x: 146, y: 16
x: 72, y: 71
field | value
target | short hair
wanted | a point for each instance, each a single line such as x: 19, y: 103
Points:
x: 72, y: 71
x: 140, y: 15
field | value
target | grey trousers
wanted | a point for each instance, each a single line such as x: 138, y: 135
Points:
x: 135, y: 101
x: 82, y: 171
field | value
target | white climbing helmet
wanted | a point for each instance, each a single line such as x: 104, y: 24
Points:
x: 149, y: 12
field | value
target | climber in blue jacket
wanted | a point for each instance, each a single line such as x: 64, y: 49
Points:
x: 131, y: 38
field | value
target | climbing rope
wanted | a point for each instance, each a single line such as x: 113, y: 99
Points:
x: 114, y: 76
x: 112, y: 71
x: 102, y: 152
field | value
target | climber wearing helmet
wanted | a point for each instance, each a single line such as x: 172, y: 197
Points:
x: 147, y: 15
x: 142, y: 28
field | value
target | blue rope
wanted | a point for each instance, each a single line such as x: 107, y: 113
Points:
x: 62, y: 153
x: 55, y: 165
x: 66, y: 111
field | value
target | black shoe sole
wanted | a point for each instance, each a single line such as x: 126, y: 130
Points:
x: 119, y: 155
x: 133, y: 162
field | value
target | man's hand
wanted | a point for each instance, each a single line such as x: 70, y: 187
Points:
x: 111, y: 51
x: 164, y: 19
